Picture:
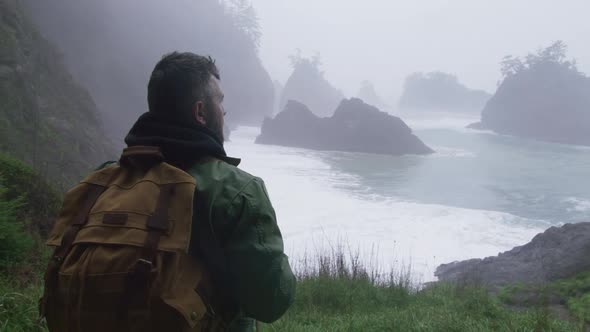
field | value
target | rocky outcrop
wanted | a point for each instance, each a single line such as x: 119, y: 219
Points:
x: 437, y: 91
x: 557, y: 253
x: 355, y: 127
x: 308, y: 85
x: 368, y: 94
x: 544, y: 98
x: 278, y: 89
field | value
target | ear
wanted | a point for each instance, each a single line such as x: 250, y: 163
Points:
x: 199, y: 112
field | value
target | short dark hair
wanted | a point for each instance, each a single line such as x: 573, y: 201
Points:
x: 178, y: 80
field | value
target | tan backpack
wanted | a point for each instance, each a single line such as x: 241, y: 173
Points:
x: 121, y: 261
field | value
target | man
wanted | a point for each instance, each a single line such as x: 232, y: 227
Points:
x: 186, y: 120
x: 122, y: 236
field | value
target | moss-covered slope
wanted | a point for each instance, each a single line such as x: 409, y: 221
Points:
x: 46, y: 119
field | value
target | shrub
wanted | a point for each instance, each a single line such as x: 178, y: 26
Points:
x: 15, y: 242
x: 39, y: 202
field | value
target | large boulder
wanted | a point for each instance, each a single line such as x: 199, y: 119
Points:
x: 355, y: 127
x: 557, y: 253
x: 544, y: 98
x: 437, y: 91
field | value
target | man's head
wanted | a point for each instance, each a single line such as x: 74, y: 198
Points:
x: 186, y: 86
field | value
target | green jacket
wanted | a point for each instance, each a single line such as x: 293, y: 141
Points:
x: 236, y: 207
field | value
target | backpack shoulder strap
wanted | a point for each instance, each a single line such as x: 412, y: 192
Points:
x: 91, y: 196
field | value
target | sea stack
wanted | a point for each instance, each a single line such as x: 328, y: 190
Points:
x: 543, y: 97
x: 354, y: 127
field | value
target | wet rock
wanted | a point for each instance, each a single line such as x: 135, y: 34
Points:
x: 557, y: 253
x: 355, y: 127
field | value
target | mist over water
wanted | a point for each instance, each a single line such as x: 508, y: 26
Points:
x: 465, y: 201
x: 480, y: 193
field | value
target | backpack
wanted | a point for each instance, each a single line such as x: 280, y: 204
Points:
x: 121, y: 258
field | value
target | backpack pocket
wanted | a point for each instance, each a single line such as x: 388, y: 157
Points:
x: 189, y: 305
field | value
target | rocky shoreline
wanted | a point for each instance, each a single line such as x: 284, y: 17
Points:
x: 558, y: 253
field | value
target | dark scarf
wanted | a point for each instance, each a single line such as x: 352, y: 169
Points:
x: 181, y: 142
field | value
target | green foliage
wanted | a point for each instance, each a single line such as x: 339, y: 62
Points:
x: 552, y: 54
x: 580, y: 307
x: 338, y: 293
x: 575, y: 286
x: 15, y: 242
x: 438, y: 308
x: 46, y: 119
x: 576, y: 292
x: 573, y: 292
x: 19, y: 307
x: 508, y: 294
x: 23, y: 255
x: 39, y: 201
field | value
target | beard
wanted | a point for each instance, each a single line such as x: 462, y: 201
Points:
x: 214, y: 122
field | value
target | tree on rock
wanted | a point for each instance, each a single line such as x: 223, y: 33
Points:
x: 308, y: 85
x: 542, y: 96
x: 438, y: 91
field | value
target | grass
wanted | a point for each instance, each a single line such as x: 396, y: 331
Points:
x: 440, y: 308
x: 338, y: 293
x: 342, y: 297
x: 25, y: 201
x: 341, y: 294
x: 576, y: 292
x: 19, y: 306
x: 572, y: 293
x: 21, y: 287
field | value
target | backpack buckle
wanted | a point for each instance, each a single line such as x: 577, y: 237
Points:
x: 145, y: 262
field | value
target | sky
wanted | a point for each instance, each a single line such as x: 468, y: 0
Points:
x: 385, y: 40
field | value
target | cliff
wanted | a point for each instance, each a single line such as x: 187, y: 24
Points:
x: 46, y: 118
x: 111, y: 47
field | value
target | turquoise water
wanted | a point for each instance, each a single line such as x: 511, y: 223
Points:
x: 478, y: 195
x: 530, y: 179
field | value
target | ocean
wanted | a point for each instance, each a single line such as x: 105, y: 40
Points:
x: 478, y: 195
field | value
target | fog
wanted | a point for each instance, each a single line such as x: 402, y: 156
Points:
x: 383, y: 146
x: 111, y: 47
x: 383, y: 41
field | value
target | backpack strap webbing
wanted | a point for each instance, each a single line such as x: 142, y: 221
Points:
x: 141, y: 156
x: 138, y: 280
x: 91, y: 196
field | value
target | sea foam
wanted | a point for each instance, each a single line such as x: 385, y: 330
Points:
x: 318, y: 207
